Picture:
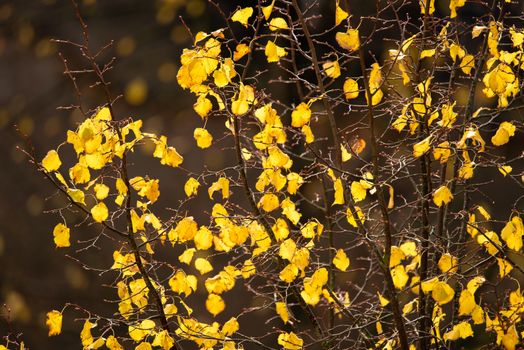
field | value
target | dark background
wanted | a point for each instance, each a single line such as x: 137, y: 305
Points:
x: 148, y: 40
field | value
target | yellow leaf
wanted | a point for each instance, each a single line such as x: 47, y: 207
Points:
x: 289, y: 273
x: 311, y: 229
x: 287, y: 249
x: 240, y: 51
x: 448, y: 263
x: 101, y: 191
x: 331, y: 69
x: 408, y: 308
x: 427, y: 53
x: 375, y: 81
x: 399, y: 276
x: 421, y: 147
x: 504, y: 132
x: 294, y: 181
x: 442, y: 152
x: 504, y: 267
x: 61, y: 235
x: 490, y: 241
x: 184, y: 231
x: 215, y: 304
x: 512, y: 233
x: 79, y: 173
x: 340, y: 14
x: 455, y: 51
x: 300, y: 115
x: 505, y: 169
x: 339, y: 192
x: 266, y: 10
x: 203, y: 266
x: 467, y: 64
x: 442, y: 196
x: 351, y: 220
x: 51, y: 161
x: 466, y: 303
x: 288, y: 209
x: 222, y: 184
x: 54, y: 322
x: 454, y: 5
x: 191, y: 187
x: 510, y: 340
x: 274, y: 52
x: 230, y: 327
x: 461, y: 330
x: 144, y: 346
x: 100, y: 212
x: 76, y: 195
x: 146, y: 188
x: 442, y: 293
x: 349, y: 41
x: 203, y: 238
x: 187, y: 256
x: 383, y: 301
x: 242, y: 15
x: 203, y: 137
x: 428, y: 285
x: 113, y: 344
x: 140, y: 331
x: 358, y: 191
x: 350, y: 89
x: 202, y: 106
x: 409, y: 248
x: 290, y: 341
x: 245, y: 98
x: 282, y: 311
x: 278, y: 23
x: 85, y: 334
x: 345, y: 154
x: 341, y: 261
x: 163, y: 340
x: 308, y: 134
x: 391, y: 202
x: 268, y: 202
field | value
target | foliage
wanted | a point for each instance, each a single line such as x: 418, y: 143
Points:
x: 355, y: 209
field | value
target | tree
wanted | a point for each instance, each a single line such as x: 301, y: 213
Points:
x: 355, y: 208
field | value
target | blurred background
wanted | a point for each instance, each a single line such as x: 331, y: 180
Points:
x: 148, y: 40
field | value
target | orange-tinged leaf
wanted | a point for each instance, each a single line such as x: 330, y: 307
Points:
x: 240, y: 51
